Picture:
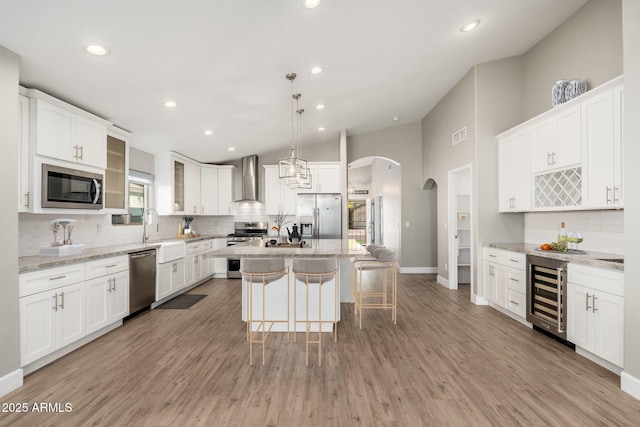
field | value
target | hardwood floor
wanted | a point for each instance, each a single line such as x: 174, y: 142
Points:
x: 445, y: 363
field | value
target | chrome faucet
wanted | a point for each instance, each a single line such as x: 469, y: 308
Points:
x: 153, y: 217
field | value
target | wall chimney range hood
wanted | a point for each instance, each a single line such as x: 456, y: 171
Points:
x: 249, y: 179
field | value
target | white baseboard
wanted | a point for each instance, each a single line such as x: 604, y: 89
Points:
x: 630, y: 384
x: 417, y: 270
x: 444, y: 282
x: 11, y: 381
x: 478, y: 300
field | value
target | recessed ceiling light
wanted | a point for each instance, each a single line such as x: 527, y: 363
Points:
x: 96, y: 49
x: 316, y: 70
x: 396, y: 118
x: 320, y: 107
x: 208, y: 132
x: 231, y: 148
x: 170, y: 104
x: 322, y: 129
x: 470, y: 26
x: 310, y: 4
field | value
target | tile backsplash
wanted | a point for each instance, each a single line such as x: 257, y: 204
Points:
x: 603, y: 231
x: 97, y: 230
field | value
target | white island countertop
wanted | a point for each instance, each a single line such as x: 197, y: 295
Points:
x: 341, y: 248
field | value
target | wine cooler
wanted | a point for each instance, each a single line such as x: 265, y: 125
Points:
x: 547, y: 294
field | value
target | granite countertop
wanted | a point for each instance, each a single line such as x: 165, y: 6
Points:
x: 37, y: 262
x: 590, y: 258
x: 318, y: 248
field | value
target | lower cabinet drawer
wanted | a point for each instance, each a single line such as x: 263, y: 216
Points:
x: 516, y: 302
x: 516, y: 280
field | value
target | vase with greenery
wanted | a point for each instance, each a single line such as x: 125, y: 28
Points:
x: 280, y: 220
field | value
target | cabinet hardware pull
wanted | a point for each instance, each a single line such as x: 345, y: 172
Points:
x: 62, y: 300
x: 81, y: 152
x: 553, y: 157
x: 587, y: 302
x: 513, y: 280
x: 608, y: 191
x: 75, y: 156
x: 615, y: 192
x: 109, y: 284
x: 114, y: 284
x: 26, y: 200
x: 57, y: 277
x: 110, y: 265
x: 548, y: 159
x: 594, y: 309
x: 55, y: 305
x: 514, y: 303
x: 492, y: 256
x: 514, y: 260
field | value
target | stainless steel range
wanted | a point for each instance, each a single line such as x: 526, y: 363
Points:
x: 244, y: 232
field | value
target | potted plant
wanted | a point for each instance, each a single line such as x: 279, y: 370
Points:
x: 280, y: 221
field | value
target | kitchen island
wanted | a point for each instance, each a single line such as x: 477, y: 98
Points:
x: 342, y: 249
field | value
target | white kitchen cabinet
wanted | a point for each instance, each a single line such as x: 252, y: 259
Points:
x: 325, y: 178
x: 206, y: 264
x: 170, y: 277
x: 24, y: 191
x: 216, y: 189
x: 192, y: 260
x: 107, y: 292
x: 51, y: 320
x: 556, y: 140
x: 514, y: 168
x: 602, y: 129
x: 66, y: 135
x: 177, y: 184
x: 504, y: 279
x: 595, y: 308
x: 278, y: 196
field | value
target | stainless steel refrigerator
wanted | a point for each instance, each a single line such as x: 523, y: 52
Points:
x: 320, y: 215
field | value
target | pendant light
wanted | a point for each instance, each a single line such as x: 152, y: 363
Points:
x: 293, y: 168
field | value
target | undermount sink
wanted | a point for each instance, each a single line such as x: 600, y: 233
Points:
x: 170, y: 251
x: 618, y: 260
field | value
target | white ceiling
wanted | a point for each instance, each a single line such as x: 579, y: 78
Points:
x: 225, y: 62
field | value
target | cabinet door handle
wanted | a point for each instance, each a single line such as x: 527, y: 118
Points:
x: 57, y: 277
x: 109, y: 285
x: 594, y: 309
x: 26, y: 200
x: 548, y: 159
x: 62, y: 300
x: 616, y: 198
x: 514, y: 260
x: 514, y: 280
x: 608, y: 191
x: 110, y: 265
x: 55, y: 303
x: 514, y: 303
x: 587, y: 307
x: 114, y: 284
x: 492, y: 256
x: 553, y: 158
x: 75, y: 152
x: 81, y: 147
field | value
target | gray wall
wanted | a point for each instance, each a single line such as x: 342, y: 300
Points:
x: 9, y: 315
x: 631, y: 137
x: 403, y: 144
x: 586, y: 46
x: 141, y: 160
x: 455, y: 111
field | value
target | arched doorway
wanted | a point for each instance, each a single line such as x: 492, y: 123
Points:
x: 374, y: 197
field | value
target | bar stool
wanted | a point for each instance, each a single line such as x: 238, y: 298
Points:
x: 385, y: 262
x: 372, y: 250
x: 314, y: 271
x: 262, y: 271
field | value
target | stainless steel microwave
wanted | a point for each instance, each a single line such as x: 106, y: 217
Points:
x: 70, y: 188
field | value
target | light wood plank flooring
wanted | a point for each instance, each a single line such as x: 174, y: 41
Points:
x: 446, y: 363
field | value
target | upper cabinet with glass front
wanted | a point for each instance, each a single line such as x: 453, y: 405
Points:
x: 116, y: 182
x: 177, y: 184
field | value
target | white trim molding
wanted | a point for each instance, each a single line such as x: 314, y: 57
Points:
x: 11, y: 381
x: 443, y: 281
x: 417, y: 270
x: 630, y: 384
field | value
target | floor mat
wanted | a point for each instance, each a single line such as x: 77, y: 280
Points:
x: 182, y: 301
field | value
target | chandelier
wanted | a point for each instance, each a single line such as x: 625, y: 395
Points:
x: 293, y: 169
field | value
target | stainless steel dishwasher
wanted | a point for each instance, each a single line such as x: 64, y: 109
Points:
x: 142, y: 280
